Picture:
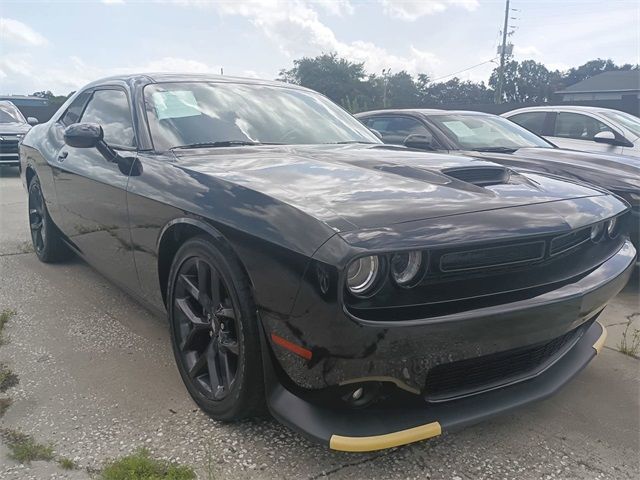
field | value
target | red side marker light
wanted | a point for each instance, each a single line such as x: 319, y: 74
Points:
x: 292, y: 347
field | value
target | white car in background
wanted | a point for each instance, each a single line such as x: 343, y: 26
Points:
x: 590, y: 129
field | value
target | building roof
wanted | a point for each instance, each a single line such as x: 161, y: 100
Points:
x: 618, y: 81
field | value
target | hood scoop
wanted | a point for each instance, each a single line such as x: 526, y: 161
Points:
x: 481, y: 176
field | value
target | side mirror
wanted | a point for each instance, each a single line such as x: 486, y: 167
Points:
x: 423, y: 142
x: 32, y: 121
x: 83, y: 135
x: 610, y: 138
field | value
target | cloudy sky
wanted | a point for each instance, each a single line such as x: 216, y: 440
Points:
x: 61, y: 45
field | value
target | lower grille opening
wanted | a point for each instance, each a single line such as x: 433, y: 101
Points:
x: 471, y: 376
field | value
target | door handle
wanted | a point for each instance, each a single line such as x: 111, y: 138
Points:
x: 62, y: 156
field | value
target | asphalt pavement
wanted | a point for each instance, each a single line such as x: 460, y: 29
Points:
x: 97, y: 380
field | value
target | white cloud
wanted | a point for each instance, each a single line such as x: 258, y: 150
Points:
x: 113, y: 2
x: 17, y: 32
x: 297, y: 30
x: 411, y: 10
x: 526, y: 52
x: 335, y: 7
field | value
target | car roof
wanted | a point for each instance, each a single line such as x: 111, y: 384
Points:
x: 420, y: 111
x: 567, y: 108
x: 160, y: 77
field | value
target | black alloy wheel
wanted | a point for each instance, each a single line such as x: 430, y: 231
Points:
x: 46, y: 238
x: 214, y: 330
x: 37, y: 222
x: 207, y: 332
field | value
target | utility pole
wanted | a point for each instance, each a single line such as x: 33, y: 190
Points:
x: 503, y: 51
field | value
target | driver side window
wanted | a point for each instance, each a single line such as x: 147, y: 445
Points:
x: 110, y: 110
x: 577, y: 126
x: 395, y: 130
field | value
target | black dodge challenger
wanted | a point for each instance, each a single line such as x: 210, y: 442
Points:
x: 368, y: 294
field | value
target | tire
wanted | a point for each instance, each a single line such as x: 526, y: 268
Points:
x: 214, y: 331
x: 45, y: 236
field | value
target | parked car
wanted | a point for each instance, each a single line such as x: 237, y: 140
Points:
x: 372, y: 295
x: 495, y: 139
x: 589, y: 129
x: 13, y: 126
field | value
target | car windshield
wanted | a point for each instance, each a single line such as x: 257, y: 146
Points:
x: 628, y: 121
x: 10, y: 114
x: 232, y: 114
x: 484, y: 132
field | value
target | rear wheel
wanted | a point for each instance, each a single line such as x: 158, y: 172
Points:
x: 214, y: 330
x: 45, y: 236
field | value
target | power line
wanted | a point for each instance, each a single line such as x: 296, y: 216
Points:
x: 464, y: 69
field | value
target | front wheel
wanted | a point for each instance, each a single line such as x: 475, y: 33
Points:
x: 46, y: 238
x: 214, y: 330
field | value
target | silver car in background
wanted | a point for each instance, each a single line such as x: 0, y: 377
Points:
x: 589, y: 129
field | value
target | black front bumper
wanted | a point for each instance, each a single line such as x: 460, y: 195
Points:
x: 375, y: 429
x: 572, y: 306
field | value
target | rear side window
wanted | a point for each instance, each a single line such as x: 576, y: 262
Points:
x: 532, y: 121
x: 578, y: 126
x: 110, y: 110
x: 396, y: 129
x: 72, y: 115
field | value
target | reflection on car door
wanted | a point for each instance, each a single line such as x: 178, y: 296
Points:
x: 92, y: 189
x: 576, y: 131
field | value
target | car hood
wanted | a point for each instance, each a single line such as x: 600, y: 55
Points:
x: 610, y: 171
x: 363, y: 186
x: 14, y: 128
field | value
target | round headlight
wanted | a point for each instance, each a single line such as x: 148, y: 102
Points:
x: 596, y: 232
x: 362, y: 275
x: 405, y: 267
x: 612, y: 227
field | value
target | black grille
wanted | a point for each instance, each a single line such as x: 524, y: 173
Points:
x: 8, y: 146
x: 492, y: 256
x: 470, y: 376
x: 570, y: 240
x: 481, y: 176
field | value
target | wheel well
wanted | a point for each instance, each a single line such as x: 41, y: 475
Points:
x: 29, y: 174
x: 171, y: 241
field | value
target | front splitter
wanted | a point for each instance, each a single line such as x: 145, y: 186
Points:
x: 376, y: 428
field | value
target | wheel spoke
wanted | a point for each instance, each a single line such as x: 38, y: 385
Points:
x: 37, y: 225
x: 216, y: 377
x: 198, y: 367
x: 225, y: 367
x: 185, y: 308
x: 189, y: 285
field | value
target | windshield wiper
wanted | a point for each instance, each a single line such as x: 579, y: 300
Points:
x: 346, y: 142
x: 496, y: 149
x: 223, y: 143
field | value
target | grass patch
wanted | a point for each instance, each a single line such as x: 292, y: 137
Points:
x: 630, y: 342
x: 66, y: 463
x: 5, y: 403
x: 8, y: 379
x: 140, y: 466
x: 5, y: 316
x: 24, y: 448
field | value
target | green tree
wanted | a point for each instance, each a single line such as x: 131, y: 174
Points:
x: 526, y: 81
x: 339, y: 79
x: 452, y: 92
x: 590, y: 69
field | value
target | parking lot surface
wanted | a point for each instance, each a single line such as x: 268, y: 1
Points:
x: 97, y: 380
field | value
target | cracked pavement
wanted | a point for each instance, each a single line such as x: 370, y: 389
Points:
x: 97, y: 380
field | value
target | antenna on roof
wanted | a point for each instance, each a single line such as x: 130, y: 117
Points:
x: 221, y: 71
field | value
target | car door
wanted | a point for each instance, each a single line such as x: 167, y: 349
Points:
x: 533, y: 121
x: 92, y: 189
x: 576, y: 131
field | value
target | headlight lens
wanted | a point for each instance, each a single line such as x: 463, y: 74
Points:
x: 596, y: 232
x: 405, y: 267
x: 612, y: 227
x: 362, y: 275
